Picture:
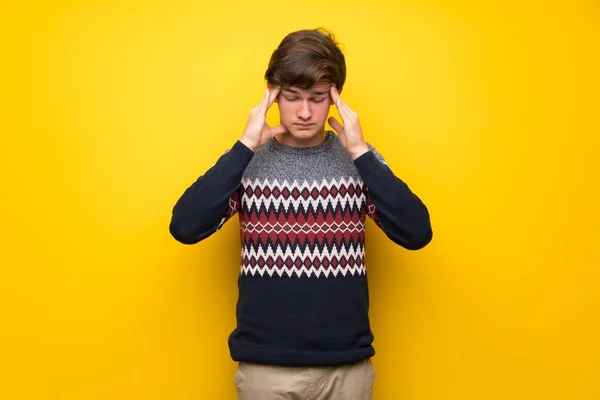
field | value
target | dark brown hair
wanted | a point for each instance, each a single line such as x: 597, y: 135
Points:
x: 305, y: 57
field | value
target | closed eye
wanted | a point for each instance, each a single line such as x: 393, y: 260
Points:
x: 317, y: 101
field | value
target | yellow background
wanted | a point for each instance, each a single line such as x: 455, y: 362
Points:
x: 488, y: 110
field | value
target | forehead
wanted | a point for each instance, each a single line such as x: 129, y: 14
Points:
x: 319, y: 88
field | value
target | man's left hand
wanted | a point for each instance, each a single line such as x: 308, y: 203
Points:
x: 351, y: 133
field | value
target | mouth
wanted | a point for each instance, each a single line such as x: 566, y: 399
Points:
x: 304, y: 126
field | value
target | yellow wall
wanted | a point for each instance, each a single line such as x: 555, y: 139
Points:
x: 489, y: 110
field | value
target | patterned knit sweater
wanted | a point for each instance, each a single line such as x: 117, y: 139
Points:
x: 303, y: 291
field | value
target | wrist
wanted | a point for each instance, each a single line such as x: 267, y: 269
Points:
x: 358, y: 151
x: 249, y: 144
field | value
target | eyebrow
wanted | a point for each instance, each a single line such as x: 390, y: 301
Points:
x: 318, y: 93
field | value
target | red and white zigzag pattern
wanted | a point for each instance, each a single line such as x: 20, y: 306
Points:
x: 292, y: 229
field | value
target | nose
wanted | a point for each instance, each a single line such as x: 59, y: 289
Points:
x: 304, y: 111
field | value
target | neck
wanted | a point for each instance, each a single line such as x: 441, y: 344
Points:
x: 289, y: 140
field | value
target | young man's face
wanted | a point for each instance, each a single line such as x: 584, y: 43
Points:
x: 304, y: 111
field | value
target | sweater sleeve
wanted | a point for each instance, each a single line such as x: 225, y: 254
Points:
x: 212, y: 199
x: 392, y: 205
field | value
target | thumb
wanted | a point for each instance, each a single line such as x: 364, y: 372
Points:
x: 278, y: 130
x: 336, y: 125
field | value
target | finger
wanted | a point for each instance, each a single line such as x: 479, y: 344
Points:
x: 263, y: 104
x: 344, y: 114
x: 273, y: 95
x: 342, y: 108
x: 336, y: 125
x: 339, y: 129
x: 334, y: 92
x: 348, y: 115
x: 335, y: 95
x: 341, y: 104
x: 348, y: 110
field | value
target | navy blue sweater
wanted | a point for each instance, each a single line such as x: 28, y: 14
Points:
x: 303, y: 290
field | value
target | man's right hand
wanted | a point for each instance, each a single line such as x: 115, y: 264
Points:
x: 257, y: 131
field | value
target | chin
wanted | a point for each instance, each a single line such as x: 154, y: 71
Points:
x: 305, y: 134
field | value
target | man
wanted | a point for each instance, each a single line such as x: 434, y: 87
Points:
x: 302, y: 194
